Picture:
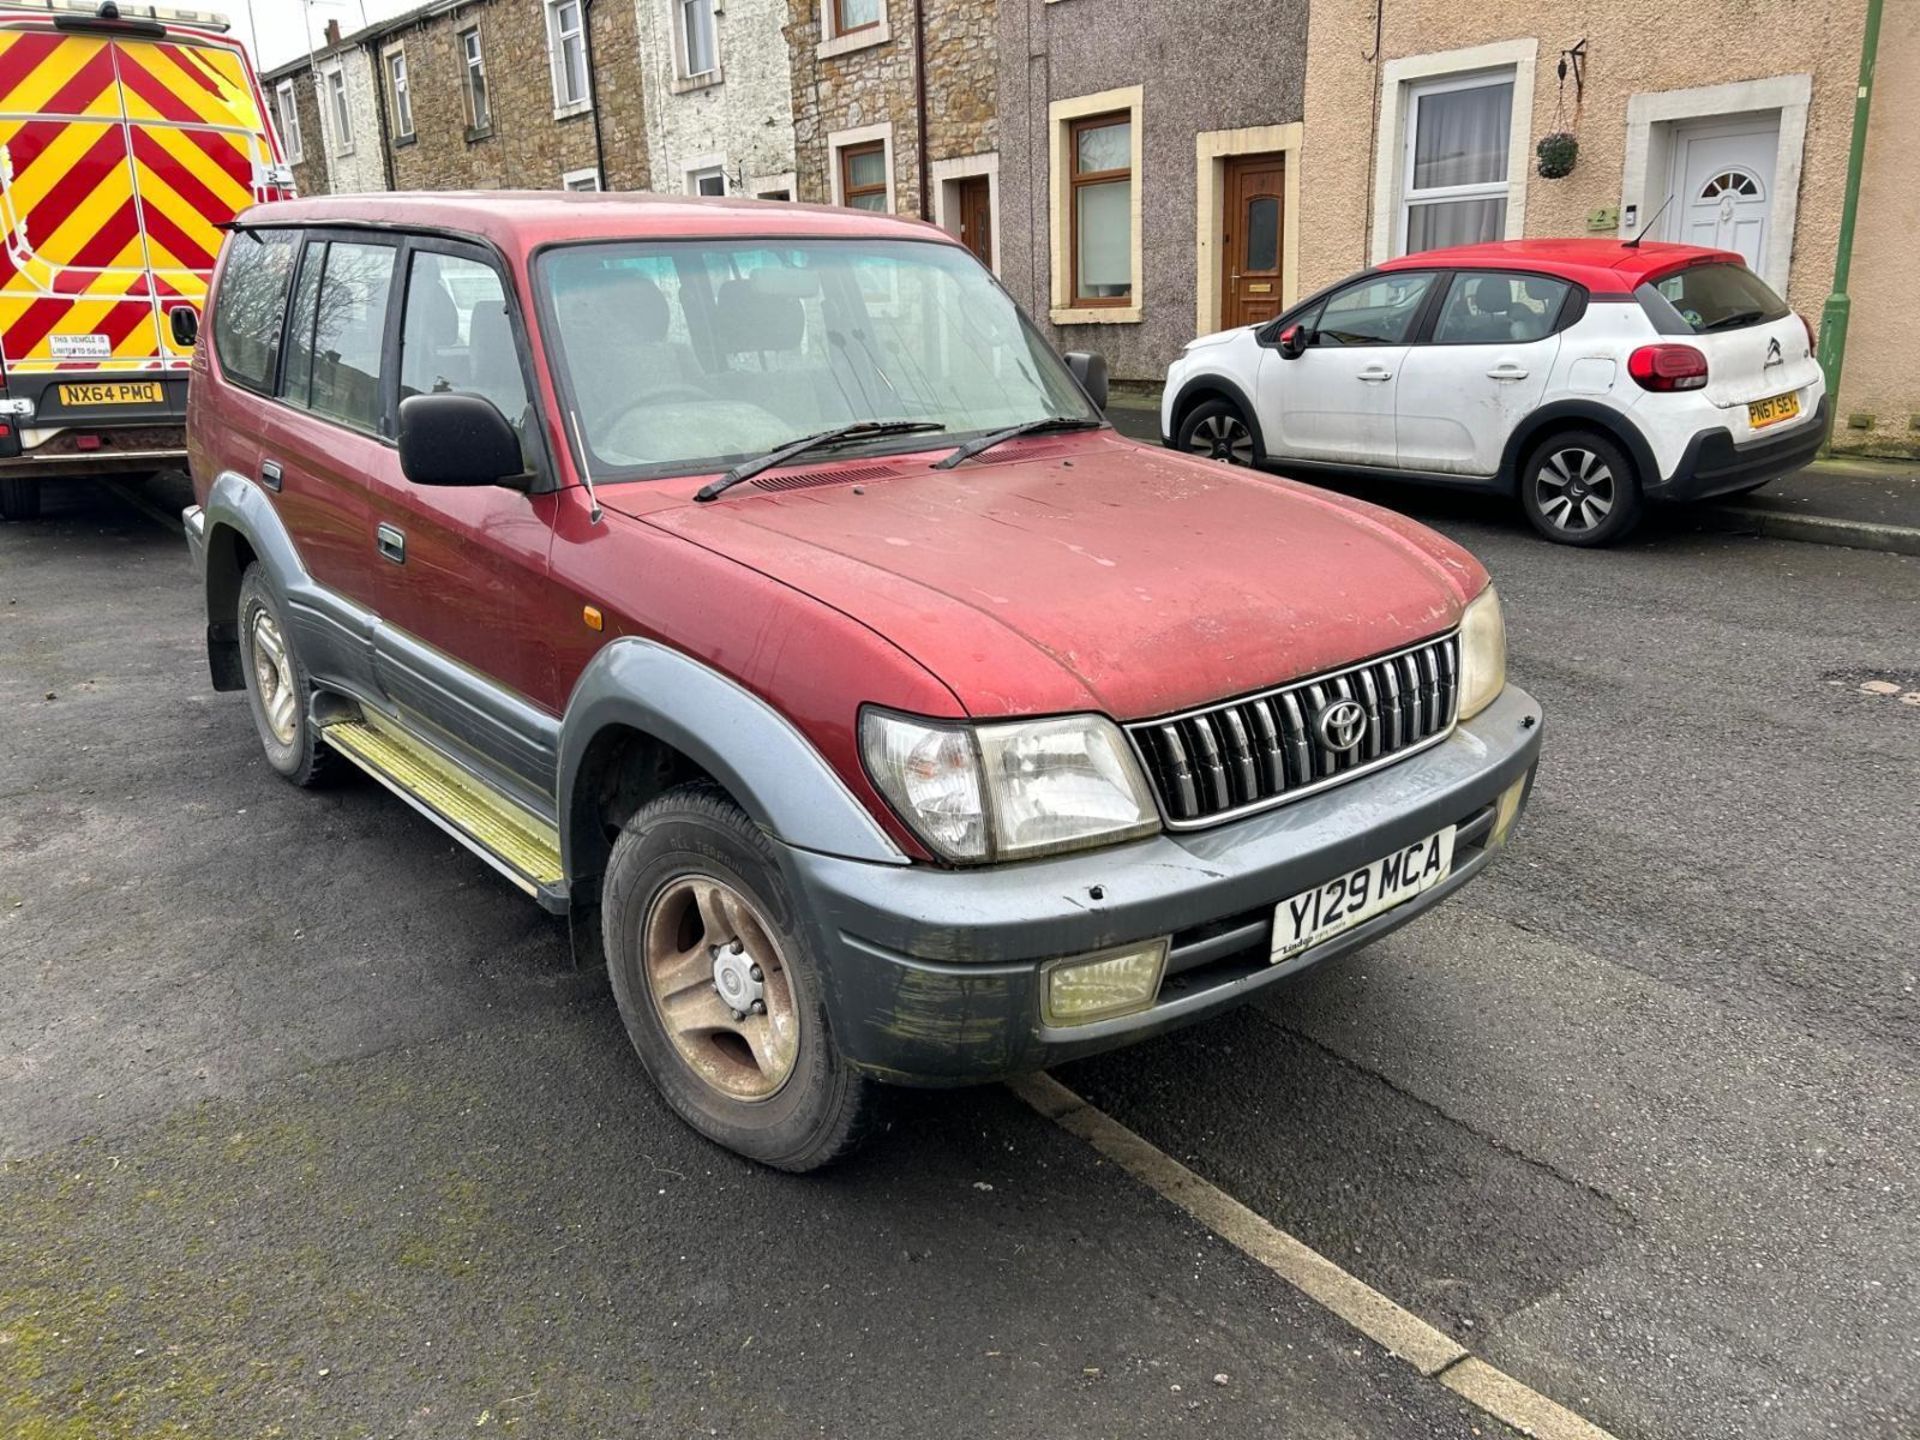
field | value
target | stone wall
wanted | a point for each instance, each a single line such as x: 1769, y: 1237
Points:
x: 873, y: 85
x: 310, y: 174
x: 744, y: 117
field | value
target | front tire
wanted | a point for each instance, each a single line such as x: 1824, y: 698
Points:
x: 278, y: 690
x: 719, y: 987
x: 19, y: 498
x: 1579, y: 488
x: 1216, y: 430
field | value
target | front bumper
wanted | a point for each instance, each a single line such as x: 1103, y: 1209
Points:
x: 1713, y: 465
x: 933, y: 976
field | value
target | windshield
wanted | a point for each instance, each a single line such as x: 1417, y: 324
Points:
x: 682, y: 357
x: 1704, y: 298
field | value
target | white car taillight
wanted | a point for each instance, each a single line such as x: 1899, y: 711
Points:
x: 1668, y: 367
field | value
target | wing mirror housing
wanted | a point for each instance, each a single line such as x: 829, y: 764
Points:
x: 184, y: 323
x: 1293, y: 342
x: 450, y: 439
x: 1090, y: 369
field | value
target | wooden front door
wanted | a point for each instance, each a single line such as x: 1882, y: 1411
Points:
x: 976, y: 217
x: 1255, y: 196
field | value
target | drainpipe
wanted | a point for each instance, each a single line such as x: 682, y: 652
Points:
x: 371, y: 47
x: 593, y: 84
x: 1833, y: 316
x: 920, y: 103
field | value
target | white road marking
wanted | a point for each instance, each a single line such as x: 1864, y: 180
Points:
x: 1432, y: 1352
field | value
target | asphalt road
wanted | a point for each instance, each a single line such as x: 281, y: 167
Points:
x: 307, y: 1123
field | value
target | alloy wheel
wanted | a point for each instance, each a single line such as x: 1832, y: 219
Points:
x: 1575, y: 490
x: 721, y: 987
x: 1222, y: 437
x: 273, y: 673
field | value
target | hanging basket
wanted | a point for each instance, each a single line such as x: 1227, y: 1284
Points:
x: 1557, y: 153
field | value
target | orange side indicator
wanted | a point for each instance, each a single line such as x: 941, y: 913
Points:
x: 591, y: 614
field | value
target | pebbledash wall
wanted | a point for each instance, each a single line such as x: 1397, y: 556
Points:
x: 857, y: 88
x: 355, y: 161
x: 736, y: 118
x: 1239, y: 90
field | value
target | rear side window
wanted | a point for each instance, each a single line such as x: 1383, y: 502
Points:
x: 338, y: 332
x: 1499, y: 309
x: 251, y: 304
x: 1703, y: 299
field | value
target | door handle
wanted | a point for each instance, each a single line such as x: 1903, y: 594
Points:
x: 1374, y: 374
x: 270, y: 475
x: 392, y: 543
x: 1507, y: 372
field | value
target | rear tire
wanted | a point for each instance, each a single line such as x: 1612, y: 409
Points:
x: 279, y: 691
x: 692, y: 888
x: 1578, y: 488
x: 1217, y: 430
x: 19, y: 498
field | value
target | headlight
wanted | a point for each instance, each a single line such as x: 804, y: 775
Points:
x: 1483, y: 654
x: 1008, y: 791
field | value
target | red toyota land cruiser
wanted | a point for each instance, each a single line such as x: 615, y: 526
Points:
x: 752, y: 584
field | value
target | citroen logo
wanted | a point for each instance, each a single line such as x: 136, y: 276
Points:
x: 1340, y: 725
x: 1774, y: 357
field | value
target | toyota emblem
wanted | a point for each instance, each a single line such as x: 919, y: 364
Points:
x: 1341, y: 724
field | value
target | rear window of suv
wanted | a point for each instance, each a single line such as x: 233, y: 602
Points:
x: 1705, y: 299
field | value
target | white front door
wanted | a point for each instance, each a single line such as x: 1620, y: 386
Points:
x: 1726, y: 192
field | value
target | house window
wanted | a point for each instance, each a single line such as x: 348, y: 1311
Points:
x: 1454, y: 178
x: 711, y: 180
x: 863, y: 176
x: 580, y: 180
x: 852, y: 15
x: 698, y: 52
x: 342, y: 117
x: 567, y: 46
x: 1100, y: 209
x: 402, y: 95
x: 288, y: 107
x: 479, y: 112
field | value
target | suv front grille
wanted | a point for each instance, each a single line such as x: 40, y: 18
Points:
x: 1243, y: 755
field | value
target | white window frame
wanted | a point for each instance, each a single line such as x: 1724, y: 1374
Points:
x: 840, y: 140
x: 287, y: 102
x: 699, y: 168
x: 399, y: 85
x: 685, y: 75
x: 1393, y: 139
x: 1060, y: 117
x: 340, y: 104
x: 473, y: 64
x: 785, y: 185
x: 563, y: 106
x: 833, y: 43
x: 1485, y: 190
x: 571, y: 180
x: 946, y: 175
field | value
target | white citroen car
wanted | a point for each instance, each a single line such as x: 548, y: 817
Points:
x: 1587, y: 377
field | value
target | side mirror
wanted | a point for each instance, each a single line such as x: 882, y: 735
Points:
x: 1293, y: 342
x: 184, y: 322
x: 1090, y: 369
x: 449, y: 439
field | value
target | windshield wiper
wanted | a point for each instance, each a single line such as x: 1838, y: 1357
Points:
x: 992, y: 438
x: 859, y: 430
x: 1739, y: 317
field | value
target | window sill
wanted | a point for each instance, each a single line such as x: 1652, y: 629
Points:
x: 1095, y: 314
x: 689, y: 84
x: 474, y: 134
x: 854, y: 40
x: 576, y: 108
x: 402, y: 141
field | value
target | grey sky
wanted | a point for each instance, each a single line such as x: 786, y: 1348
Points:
x: 283, y: 27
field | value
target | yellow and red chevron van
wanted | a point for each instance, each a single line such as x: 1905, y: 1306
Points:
x: 129, y: 135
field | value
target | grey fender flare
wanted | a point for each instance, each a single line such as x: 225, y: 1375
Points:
x: 235, y: 507
x: 769, y: 768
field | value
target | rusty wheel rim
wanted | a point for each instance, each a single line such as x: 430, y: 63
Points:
x: 721, y: 987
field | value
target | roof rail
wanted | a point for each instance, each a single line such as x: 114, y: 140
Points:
x: 111, y: 10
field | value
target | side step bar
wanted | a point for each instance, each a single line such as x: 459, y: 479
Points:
x: 516, y: 842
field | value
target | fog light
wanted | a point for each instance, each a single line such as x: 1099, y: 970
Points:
x: 1099, y: 987
x: 1506, y: 811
